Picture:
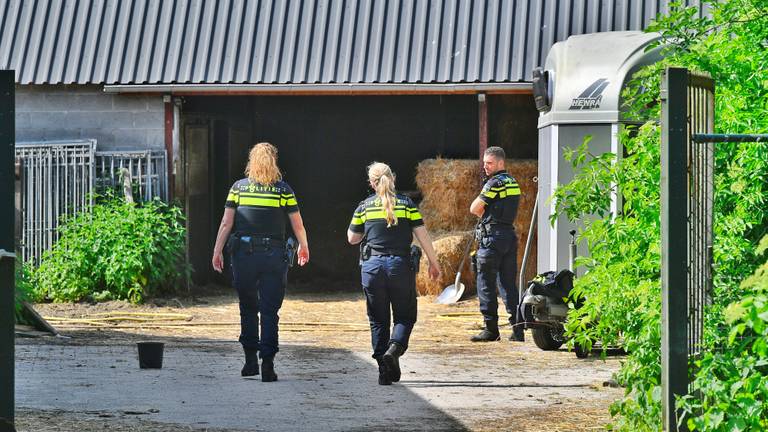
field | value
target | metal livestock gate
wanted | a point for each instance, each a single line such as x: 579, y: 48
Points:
x: 57, y: 181
x: 59, y: 178
x: 147, y: 168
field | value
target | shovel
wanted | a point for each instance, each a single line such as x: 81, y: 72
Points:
x: 453, y: 293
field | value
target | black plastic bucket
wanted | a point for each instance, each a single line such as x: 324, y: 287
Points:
x: 150, y: 355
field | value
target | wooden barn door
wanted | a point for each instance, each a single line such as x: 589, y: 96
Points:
x: 197, y: 133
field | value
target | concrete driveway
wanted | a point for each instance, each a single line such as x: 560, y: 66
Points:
x: 328, y: 381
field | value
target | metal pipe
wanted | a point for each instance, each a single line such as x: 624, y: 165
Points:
x: 149, y: 178
x: 572, y: 252
x: 528, y: 242
x: 349, y: 88
x: 730, y: 138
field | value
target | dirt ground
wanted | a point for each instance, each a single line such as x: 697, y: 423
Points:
x: 449, y: 383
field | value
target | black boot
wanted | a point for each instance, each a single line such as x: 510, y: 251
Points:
x: 384, y: 378
x: 392, y: 360
x: 251, y: 366
x: 268, y: 369
x: 486, y: 336
x: 517, y: 336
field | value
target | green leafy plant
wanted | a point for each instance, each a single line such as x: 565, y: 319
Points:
x: 25, y: 290
x: 117, y: 251
x: 620, y: 290
x: 731, y: 385
x: 621, y: 286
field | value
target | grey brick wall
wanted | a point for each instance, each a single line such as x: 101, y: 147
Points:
x: 117, y: 122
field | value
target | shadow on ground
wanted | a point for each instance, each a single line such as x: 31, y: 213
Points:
x: 199, y: 386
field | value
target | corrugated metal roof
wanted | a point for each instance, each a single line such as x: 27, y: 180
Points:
x: 297, y: 41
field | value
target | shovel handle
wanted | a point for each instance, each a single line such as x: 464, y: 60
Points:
x: 458, y: 277
x: 464, y: 255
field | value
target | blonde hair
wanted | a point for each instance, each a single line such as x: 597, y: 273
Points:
x: 380, y: 174
x: 262, y: 164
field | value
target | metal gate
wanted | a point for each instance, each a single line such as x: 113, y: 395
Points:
x: 57, y: 181
x: 687, y: 202
x: 59, y: 178
x: 148, y: 170
x: 687, y: 193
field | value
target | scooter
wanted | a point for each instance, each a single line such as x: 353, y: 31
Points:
x: 543, y: 308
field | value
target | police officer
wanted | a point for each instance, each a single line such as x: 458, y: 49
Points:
x: 497, y: 251
x: 385, y: 222
x: 254, y: 227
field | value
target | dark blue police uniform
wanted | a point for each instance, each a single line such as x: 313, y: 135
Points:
x: 497, y: 251
x: 387, y: 275
x: 259, y: 259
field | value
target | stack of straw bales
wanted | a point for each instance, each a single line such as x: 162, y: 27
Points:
x: 448, y: 187
x: 448, y: 248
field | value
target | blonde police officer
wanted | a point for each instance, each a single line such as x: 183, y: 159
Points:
x: 387, y: 221
x: 254, y: 225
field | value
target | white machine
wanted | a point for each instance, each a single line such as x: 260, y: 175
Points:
x: 578, y: 93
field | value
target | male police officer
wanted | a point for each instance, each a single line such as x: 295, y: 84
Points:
x: 497, y: 252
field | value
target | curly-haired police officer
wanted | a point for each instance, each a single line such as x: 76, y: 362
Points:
x: 254, y: 214
x: 387, y: 221
x: 497, y: 252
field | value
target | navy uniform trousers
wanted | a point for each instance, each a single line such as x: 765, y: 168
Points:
x: 389, y: 280
x: 497, y: 269
x: 260, y: 277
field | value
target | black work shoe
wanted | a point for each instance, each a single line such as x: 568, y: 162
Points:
x: 268, y: 370
x: 517, y: 337
x: 251, y: 366
x: 392, y: 362
x: 384, y: 378
x: 486, y: 336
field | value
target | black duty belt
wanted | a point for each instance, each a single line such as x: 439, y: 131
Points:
x: 503, y: 227
x: 400, y: 253
x: 497, y: 226
x: 261, y: 241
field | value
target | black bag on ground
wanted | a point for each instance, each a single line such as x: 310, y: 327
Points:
x: 556, y: 285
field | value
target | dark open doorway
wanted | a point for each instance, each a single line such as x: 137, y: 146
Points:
x: 325, y: 143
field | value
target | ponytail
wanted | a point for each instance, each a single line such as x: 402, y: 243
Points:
x: 384, y: 181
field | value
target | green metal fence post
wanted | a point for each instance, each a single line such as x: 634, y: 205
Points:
x: 7, y: 219
x: 674, y: 243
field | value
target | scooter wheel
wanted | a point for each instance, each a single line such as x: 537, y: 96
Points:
x: 543, y: 338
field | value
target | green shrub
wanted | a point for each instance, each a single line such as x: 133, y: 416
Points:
x: 117, y: 251
x: 24, y: 290
x: 621, y: 286
x: 731, y: 384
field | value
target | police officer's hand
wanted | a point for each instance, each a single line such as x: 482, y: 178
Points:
x: 303, y: 253
x: 434, y: 271
x: 218, y: 262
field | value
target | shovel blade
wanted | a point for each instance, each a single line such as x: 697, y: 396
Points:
x: 451, y: 294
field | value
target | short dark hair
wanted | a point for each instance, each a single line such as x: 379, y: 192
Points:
x: 496, y: 152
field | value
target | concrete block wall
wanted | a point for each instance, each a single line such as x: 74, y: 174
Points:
x: 117, y: 122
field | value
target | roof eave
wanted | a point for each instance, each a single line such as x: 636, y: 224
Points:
x: 321, y: 89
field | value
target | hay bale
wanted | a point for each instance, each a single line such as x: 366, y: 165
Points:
x: 448, y: 187
x: 448, y: 248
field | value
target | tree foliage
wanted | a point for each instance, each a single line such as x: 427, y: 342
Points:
x: 621, y: 286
